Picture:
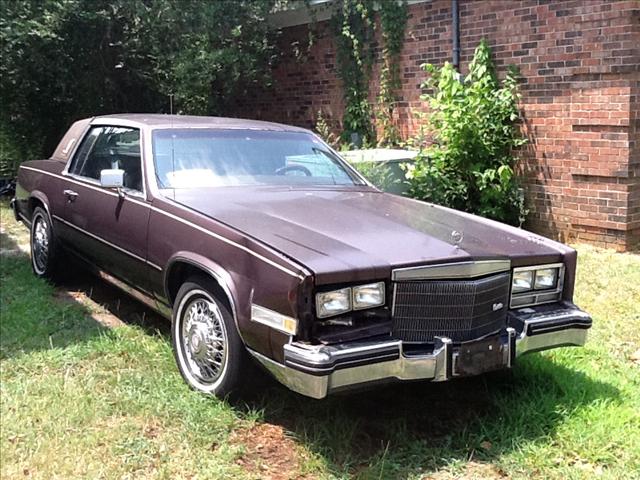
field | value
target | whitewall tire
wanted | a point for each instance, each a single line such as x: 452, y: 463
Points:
x: 44, y: 247
x: 207, y: 347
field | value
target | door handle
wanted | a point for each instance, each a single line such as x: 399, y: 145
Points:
x: 71, y: 195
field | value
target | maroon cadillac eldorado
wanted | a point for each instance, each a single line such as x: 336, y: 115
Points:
x: 261, y: 243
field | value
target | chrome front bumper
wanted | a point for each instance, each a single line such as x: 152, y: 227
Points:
x: 317, y: 370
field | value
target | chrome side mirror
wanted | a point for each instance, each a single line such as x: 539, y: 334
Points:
x: 112, y: 178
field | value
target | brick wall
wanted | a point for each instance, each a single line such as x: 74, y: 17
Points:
x: 580, y: 62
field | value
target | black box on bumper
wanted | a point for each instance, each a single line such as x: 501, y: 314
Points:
x: 317, y: 370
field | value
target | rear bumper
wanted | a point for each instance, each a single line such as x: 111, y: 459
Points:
x: 317, y: 370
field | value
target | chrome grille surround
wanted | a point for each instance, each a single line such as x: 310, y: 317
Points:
x: 462, y: 309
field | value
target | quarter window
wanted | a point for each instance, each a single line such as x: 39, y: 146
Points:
x: 107, y: 148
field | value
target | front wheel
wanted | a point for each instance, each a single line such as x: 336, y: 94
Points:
x: 208, y: 350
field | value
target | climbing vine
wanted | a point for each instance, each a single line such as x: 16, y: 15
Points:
x: 353, y: 26
x: 354, y: 29
x: 393, y: 20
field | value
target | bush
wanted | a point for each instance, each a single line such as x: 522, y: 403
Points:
x: 9, y: 154
x: 470, y: 165
x: 67, y: 59
x: 378, y: 173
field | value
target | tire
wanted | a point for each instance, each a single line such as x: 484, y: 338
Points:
x: 210, y: 355
x: 45, y: 252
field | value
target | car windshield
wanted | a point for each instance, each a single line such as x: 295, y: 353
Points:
x: 192, y: 158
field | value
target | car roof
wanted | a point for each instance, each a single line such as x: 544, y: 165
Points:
x: 156, y: 121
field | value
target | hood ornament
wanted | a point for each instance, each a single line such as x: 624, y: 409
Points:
x: 456, y: 237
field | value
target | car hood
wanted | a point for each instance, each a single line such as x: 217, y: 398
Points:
x: 342, y: 233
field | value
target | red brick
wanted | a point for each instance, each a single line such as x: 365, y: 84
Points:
x: 580, y: 98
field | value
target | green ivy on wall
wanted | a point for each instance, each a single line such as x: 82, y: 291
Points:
x: 393, y: 21
x: 354, y: 29
x: 353, y: 26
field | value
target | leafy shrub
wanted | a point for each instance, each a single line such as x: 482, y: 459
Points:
x: 9, y: 155
x: 470, y: 165
x: 324, y: 130
x: 378, y: 173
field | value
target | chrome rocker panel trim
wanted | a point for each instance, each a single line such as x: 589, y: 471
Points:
x: 317, y: 370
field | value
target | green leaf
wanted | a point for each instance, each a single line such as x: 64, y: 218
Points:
x: 473, y: 124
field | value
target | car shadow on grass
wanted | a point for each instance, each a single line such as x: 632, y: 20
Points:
x: 408, y: 429
x: 112, y: 301
x: 37, y: 315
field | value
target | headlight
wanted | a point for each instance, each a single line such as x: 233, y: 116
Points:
x: 344, y: 300
x: 367, y: 296
x: 536, y: 285
x: 546, y: 278
x: 333, y: 303
x: 522, y: 281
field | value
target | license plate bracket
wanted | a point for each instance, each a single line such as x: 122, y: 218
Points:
x: 481, y: 356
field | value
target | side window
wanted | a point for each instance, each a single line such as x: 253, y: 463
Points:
x: 110, y: 147
x: 79, y: 163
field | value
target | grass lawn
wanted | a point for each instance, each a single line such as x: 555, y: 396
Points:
x: 83, y: 400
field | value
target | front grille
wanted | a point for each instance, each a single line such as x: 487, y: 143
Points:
x: 462, y: 310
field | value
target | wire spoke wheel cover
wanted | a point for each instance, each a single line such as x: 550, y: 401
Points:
x: 203, y: 347
x: 40, y: 244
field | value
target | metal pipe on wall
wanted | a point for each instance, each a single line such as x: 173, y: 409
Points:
x: 455, y: 33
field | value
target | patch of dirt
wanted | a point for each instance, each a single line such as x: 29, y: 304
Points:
x: 152, y: 429
x: 107, y: 320
x: 12, y: 245
x: 98, y: 313
x: 472, y: 471
x: 269, y: 453
x: 14, y: 237
x: 635, y: 357
x: 63, y: 295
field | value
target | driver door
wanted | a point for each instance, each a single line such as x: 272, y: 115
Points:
x: 107, y: 227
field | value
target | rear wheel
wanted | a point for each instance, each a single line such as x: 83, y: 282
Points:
x: 45, y: 252
x: 208, y: 350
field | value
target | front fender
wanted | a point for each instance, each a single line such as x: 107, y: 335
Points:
x: 208, y: 265
x: 219, y: 274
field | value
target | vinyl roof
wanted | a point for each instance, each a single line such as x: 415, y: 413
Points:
x: 155, y: 120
